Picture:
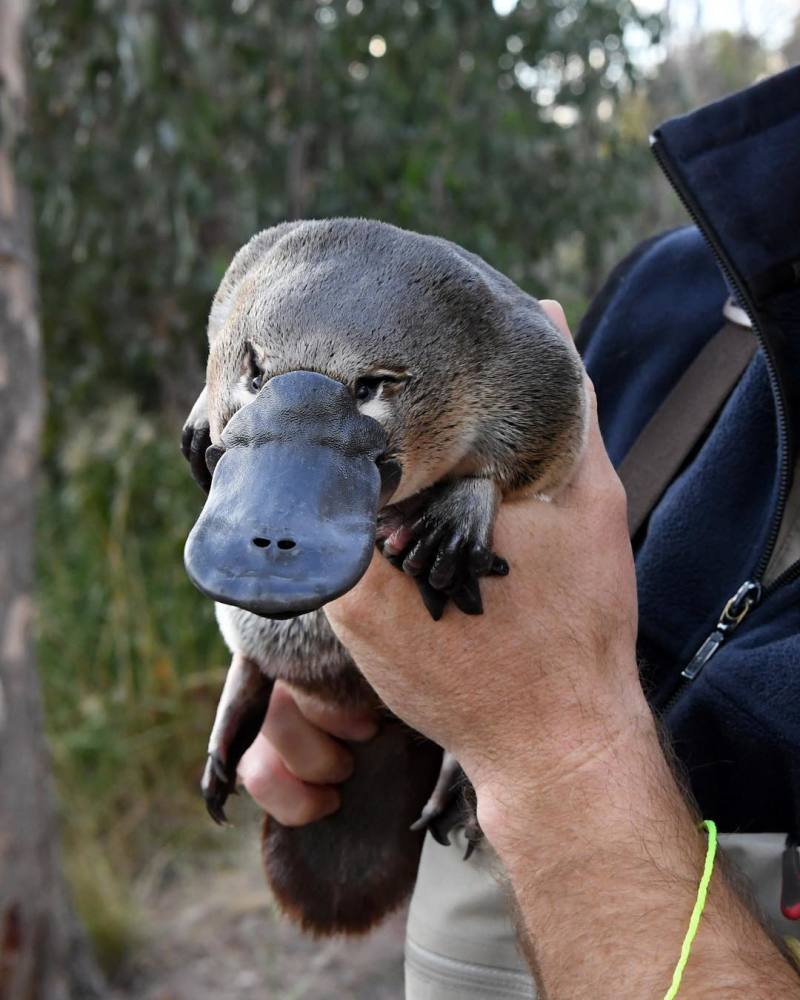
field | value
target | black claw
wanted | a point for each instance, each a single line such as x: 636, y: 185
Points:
x: 217, y: 813
x: 218, y: 768
x: 434, y: 600
x: 194, y: 441
x: 440, y: 836
x: 499, y: 567
x: 434, y: 820
x: 474, y: 835
x: 467, y: 597
x: 216, y: 787
x: 186, y: 442
x: 481, y: 560
x: 419, y: 555
x: 448, y: 563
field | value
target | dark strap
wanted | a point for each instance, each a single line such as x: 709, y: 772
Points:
x: 657, y: 454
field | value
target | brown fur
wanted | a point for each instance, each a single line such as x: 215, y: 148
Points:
x: 346, y: 872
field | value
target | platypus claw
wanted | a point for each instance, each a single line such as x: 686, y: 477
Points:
x: 437, y: 824
x: 441, y: 539
x: 473, y: 836
x: 445, y: 809
x: 216, y: 786
x: 467, y: 597
x: 434, y: 600
x: 194, y: 441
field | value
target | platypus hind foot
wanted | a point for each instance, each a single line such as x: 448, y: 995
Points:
x: 216, y: 785
x: 442, y: 810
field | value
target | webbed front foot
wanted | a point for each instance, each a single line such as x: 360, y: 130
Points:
x: 442, y: 538
x: 195, y: 439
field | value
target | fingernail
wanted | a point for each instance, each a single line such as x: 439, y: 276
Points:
x: 332, y: 807
x: 363, y: 730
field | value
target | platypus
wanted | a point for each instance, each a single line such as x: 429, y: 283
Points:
x: 365, y: 385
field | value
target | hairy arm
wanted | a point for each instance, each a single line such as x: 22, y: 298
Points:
x: 604, y: 859
x: 540, y: 701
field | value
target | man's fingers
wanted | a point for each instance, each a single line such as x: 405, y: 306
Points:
x: 295, y: 762
x: 279, y: 793
x: 595, y: 469
x: 595, y: 466
x: 555, y: 313
x: 307, y: 751
x: 344, y: 723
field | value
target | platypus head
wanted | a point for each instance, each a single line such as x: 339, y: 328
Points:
x: 289, y: 523
x: 346, y: 363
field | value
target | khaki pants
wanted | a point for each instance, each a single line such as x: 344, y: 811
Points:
x: 460, y: 942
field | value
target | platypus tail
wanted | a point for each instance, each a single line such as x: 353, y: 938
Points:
x: 346, y: 872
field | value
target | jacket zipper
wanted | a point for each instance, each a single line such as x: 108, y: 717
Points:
x: 751, y: 592
x: 733, y: 614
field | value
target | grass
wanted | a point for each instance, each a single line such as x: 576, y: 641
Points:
x: 131, y: 663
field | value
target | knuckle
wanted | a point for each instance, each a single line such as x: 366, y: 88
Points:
x: 610, y: 494
x: 329, y: 768
x: 281, y: 702
x: 299, y: 812
x: 282, y: 732
x: 262, y: 777
x: 303, y: 808
x: 617, y: 497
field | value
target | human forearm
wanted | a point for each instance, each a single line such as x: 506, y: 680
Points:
x: 604, y: 860
x: 540, y: 701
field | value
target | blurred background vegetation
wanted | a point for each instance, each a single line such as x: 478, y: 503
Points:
x: 163, y: 135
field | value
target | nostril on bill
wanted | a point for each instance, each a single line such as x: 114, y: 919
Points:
x: 262, y: 543
x: 286, y: 543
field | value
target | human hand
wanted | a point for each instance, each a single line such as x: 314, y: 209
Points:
x: 297, y: 760
x: 549, y: 669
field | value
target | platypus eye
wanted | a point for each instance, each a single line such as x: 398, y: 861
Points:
x: 367, y: 387
x: 255, y: 372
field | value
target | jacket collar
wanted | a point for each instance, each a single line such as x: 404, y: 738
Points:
x: 735, y: 164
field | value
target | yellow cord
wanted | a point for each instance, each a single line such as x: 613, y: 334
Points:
x: 697, y: 912
x: 793, y: 947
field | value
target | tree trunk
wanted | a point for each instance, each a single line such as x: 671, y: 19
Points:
x: 43, y: 954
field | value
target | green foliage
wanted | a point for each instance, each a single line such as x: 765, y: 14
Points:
x: 164, y: 134
x: 131, y: 660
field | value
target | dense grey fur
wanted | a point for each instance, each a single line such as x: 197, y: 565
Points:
x: 301, y: 650
x: 494, y: 390
x: 491, y: 397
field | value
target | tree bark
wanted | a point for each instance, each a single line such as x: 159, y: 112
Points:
x: 43, y: 953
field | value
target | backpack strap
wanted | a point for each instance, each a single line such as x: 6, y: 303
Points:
x: 665, y: 442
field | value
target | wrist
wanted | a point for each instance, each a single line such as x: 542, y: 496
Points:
x: 602, y: 838
x: 591, y: 777
x: 543, y: 741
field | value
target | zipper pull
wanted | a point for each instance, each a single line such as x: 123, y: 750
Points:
x: 734, y: 612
